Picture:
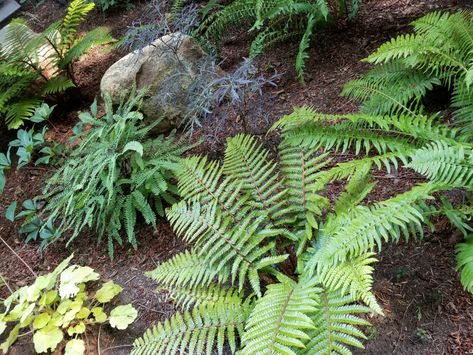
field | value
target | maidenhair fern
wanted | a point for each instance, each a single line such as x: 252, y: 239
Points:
x: 275, y: 21
x: 291, y: 265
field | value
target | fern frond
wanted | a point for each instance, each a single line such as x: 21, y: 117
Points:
x: 355, y: 277
x: 246, y: 163
x: 280, y: 319
x: 465, y: 263
x: 187, y: 298
x: 56, y: 85
x: 336, y: 325
x: 187, y: 270
x: 441, y: 162
x: 399, y: 47
x: 197, y: 331
x: 368, y: 226
x: 76, y: 12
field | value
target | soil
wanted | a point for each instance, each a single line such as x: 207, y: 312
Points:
x: 426, y: 309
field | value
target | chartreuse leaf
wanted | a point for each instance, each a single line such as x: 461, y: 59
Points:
x: 47, y: 338
x: 83, y: 313
x: 74, y: 275
x: 3, y: 326
x: 122, y: 316
x: 99, y: 314
x: 11, y: 339
x: 108, y: 291
x: 41, y: 321
x: 75, y: 347
x: 79, y: 328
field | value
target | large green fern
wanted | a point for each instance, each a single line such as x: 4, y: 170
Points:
x: 263, y: 235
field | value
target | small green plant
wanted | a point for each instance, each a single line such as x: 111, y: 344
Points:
x: 34, y: 66
x: 423, y: 334
x: 114, y: 174
x: 30, y: 143
x: 276, y: 21
x: 60, y: 306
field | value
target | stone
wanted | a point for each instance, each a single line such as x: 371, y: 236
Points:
x: 7, y: 9
x: 165, y: 69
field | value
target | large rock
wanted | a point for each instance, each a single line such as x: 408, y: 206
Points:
x: 166, y: 69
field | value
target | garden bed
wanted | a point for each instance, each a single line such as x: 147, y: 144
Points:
x: 427, y: 311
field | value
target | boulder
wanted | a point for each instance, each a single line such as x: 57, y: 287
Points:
x: 165, y: 69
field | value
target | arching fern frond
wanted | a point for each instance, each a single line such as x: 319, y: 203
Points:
x: 280, y: 319
x: 451, y: 165
x: 198, y: 331
x: 336, y: 325
x: 465, y: 263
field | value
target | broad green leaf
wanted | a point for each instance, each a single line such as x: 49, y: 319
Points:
x: 75, y: 347
x: 77, y: 329
x: 83, y: 313
x: 47, y: 338
x: 73, y: 276
x: 99, y: 315
x: 41, y: 320
x: 64, y: 306
x: 108, y: 291
x: 11, y: 339
x: 48, y: 298
x: 10, y: 214
x: 135, y: 146
x: 122, y: 316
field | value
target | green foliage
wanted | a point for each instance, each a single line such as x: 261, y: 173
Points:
x: 59, y: 305
x: 275, y: 21
x: 34, y: 66
x: 113, y: 175
x: 410, y: 66
x: 465, y: 263
x: 265, y: 237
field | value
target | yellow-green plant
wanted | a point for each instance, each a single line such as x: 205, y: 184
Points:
x: 59, y: 307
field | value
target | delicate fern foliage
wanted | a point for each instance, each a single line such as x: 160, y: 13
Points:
x: 465, y: 264
x: 279, y: 319
x: 111, y: 178
x: 198, y: 331
x: 34, y: 66
x: 276, y: 21
x: 263, y: 233
x: 409, y: 66
x: 335, y: 325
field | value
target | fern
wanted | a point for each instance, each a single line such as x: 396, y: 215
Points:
x: 109, y: 177
x: 465, y: 264
x: 410, y: 66
x: 278, y: 321
x: 196, y: 331
x: 25, y: 77
x: 278, y: 21
x: 335, y: 324
x: 261, y: 230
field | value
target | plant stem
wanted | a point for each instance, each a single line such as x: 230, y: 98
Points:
x: 19, y: 257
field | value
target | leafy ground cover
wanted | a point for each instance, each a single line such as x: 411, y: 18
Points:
x: 416, y: 283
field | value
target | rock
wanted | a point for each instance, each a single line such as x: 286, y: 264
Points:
x: 166, y: 68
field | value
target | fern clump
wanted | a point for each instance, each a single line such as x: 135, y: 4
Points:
x: 441, y: 153
x: 289, y: 266
x: 408, y: 67
x: 275, y: 21
x: 34, y: 66
x: 114, y: 175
